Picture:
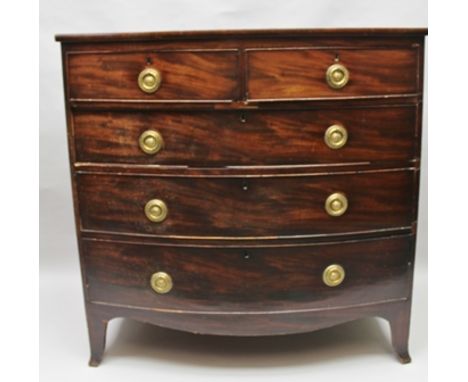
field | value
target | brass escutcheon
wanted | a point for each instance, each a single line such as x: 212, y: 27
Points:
x: 333, y: 275
x: 336, y: 204
x: 151, y: 142
x: 336, y: 136
x: 161, y: 282
x: 156, y: 210
x: 337, y: 76
x: 149, y: 80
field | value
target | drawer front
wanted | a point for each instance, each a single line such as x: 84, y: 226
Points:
x: 236, y: 207
x: 248, y: 279
x: 301, y: 73
x: 184, y: 75
x: 246, y: 138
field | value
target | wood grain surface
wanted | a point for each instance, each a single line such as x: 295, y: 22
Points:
x: 300, y: 73
x: 248, y: 279
x: 283, y: 206
x: 185, y: 75
x: 274, y: 137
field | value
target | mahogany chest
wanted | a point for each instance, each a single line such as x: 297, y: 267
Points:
x: 246, y: 183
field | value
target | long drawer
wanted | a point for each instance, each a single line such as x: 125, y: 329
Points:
x: 275, y: 137
x: 246, y: 207
x: 248, y: 279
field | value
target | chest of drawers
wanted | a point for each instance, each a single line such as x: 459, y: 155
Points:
x: 245, y: 182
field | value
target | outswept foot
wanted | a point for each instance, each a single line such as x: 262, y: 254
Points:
x: 97, y: 326
x: 399, y: 320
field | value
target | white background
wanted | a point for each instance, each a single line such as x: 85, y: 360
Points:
x: 355, y: 351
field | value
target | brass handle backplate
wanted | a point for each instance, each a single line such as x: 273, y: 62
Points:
x: 336, y: 136
x: 161, y: 282
x: 336, y: 204
x: 337, y: 76
x: 156, y: 210
x: 333, y: 275
x: 151, y: 141
x: 149, y: 80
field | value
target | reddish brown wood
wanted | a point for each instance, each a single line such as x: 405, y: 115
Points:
x: 265, y: 207
x: 254, y: 324
x: 97, y: 327
x: 226, y: 138
x: 245, y: 173
x: 200, y: 75
x: 300, y: 73
x: 258, y: 280
x: 248, y: 34
x: 399, y: 320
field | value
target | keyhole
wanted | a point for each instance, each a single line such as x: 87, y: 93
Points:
x: 245, y: 186
x: 243, y: 118
x: 246, y: 255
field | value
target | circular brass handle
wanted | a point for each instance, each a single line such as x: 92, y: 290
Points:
x: 336, y: 204
x: 333, y: 275
x: 337, y: 76
x: 149, y: 80
x: 161, y: 282
x: 156, y: 210
x: 336, y: 136
x: 151, y: 141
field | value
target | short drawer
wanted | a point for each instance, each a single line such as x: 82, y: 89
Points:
x: 248, y: 279
x: 274, y: 137
x: 252, y: 207
x: 167, y: 75
x: 302, y: 73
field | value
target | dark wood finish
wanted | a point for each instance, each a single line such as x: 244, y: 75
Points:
x: 245, y: 173
x: 97, y: 327
x: 262, y: 207
x: 247, y: 34
x: 259, y: 279
x: 299, y: 73
x: 227, y: 138
x: 185, y: 75
x: 234, y: 324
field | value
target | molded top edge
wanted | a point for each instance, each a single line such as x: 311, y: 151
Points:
x: 242, y: 33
